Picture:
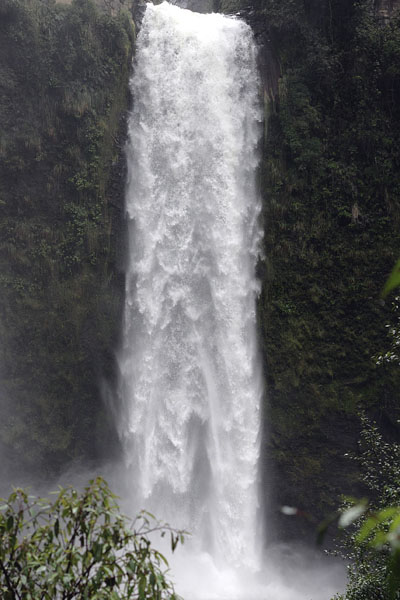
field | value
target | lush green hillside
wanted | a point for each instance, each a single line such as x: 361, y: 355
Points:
x: 63, y: 97
x: 331, y: 188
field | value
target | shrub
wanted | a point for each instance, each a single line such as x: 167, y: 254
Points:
x: 372, y: 543
x: 80, y: 546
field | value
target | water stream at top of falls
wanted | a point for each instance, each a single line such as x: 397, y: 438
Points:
x: 191, y: 382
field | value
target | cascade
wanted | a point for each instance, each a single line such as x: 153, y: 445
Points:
x: 191, y: 383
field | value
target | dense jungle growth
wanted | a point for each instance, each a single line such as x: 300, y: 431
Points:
x: 63, y: 98
x: 331, y: 188
x: 330, y: 181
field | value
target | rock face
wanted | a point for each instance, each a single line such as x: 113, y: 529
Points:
x: 331, y: 207
x: 111, y: 6
x: 64, y: 79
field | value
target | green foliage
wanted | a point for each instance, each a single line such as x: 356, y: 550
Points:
x: 392, y: 355
x: 80, y: 546
x: 331, y: 189
x: 64, y: 73
x: 372, y: 543
x: 393, y: 281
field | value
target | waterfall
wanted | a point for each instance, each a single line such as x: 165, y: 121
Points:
x: 191, y: 381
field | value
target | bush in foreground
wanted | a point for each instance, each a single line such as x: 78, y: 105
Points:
x: 372, y: 528
x: 80, y: 546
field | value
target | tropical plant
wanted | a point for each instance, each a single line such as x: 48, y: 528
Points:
x: 372, y: 528
x: 80, y: 546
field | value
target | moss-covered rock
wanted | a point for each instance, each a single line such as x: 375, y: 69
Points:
x: 331, y: 189
x: 64, y: 93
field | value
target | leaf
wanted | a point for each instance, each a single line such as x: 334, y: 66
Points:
x: 367, y: 528
x: 142, y: 588
x: 162, y: 557
x: 394, y: 534
x: 41, y: 569
x: 97, y: 551
x: 9, y: 522
x: 149, y: 514
x: 131, y: 566
x: 352, y: 514
x: 393, y: 280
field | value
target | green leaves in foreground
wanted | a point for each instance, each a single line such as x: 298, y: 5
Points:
x: 393, y: 280
x: 80, y: 547
x: 378, y: 530
x: 371, y: 528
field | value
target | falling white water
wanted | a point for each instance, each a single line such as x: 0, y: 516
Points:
x: 190, y: 375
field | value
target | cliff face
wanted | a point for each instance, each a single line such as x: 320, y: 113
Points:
x: 331, y: 187
x: 64, y: 81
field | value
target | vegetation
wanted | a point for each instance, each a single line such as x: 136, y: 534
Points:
x: 372, y: 543
x: 64, y: 91
x: 80, y: 546
x: 331, y: 188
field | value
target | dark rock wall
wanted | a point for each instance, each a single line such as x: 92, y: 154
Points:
x: 331, y: 189
x: 64, y: 93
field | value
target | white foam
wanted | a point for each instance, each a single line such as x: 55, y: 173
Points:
x: 190, y: 374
